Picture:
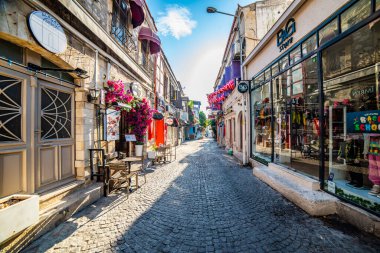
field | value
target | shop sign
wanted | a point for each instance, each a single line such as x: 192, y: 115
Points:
x: 243, y: 87
x: 169, y: 121
x: 363, y: 122
x: 136, y: 90
x: 47, y: 31
x: 285, y: 35
x: 363, y: 91
x: 113, y: 119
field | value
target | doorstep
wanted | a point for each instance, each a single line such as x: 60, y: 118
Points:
x: 56, y: 206
x: 301, y: 190
x: 304, y: 192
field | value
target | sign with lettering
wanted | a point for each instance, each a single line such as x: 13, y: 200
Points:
x: 47, y: 31
x: 243, y: 87
x: 285, y: 35
x: 363, y: 122
x: 363, y: 91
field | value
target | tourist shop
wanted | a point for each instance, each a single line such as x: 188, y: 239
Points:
x: 314, y: 98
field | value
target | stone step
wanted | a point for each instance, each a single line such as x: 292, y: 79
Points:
x: 55, y: 213
x: 54, y: 195
x: 303, y: 194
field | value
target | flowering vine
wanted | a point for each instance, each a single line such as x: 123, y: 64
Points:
x: 139, y: 118
x: 116, y: 93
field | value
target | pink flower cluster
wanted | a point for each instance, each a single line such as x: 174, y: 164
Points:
x: 116, y: 93
x: 139, y: 118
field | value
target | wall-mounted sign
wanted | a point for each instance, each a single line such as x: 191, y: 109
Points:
x: 47, y: 31
x: 113, y: 119
x: 136, y: 90
x: 363, y: 122
x: 169, y: 121
x: 285, y: 35
x: 243, y: 87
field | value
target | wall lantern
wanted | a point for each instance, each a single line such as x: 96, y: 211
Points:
x: 93, y: 95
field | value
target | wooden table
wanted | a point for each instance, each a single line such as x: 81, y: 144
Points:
x: 127, y: 160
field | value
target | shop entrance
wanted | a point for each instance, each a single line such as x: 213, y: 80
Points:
x: 36, y: 133
x: 54, y: 134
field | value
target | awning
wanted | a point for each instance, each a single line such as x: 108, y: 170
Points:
x: 137, y: 10
x: 146, y: 33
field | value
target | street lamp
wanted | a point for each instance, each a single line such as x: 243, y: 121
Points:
x: 214, y: 10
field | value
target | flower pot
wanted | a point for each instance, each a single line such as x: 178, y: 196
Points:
x: 139, y: 150
x: 151, y: 154
x: 19, y: 215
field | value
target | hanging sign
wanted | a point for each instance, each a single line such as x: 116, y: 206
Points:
x: 136, y: 90
x: 113, y: 119
x: 243, y: 87
x: 285, y: 35
x: 169, y: 121
x: 47, y: 31
x: 363, y: 122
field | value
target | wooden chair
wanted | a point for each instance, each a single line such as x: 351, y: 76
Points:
x: 139, y: 169
x: 119, y: 176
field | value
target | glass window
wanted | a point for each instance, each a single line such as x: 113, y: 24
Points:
x: 359, y: 50
x: 259, y: 79
x: 328, y: 32
x: 11, y: 51
x: 267, y: 74
x: 355, y: 14
x: 261, y: 116
x: 377, y: 5
x: 296, y: 112
x: 297, y: 80
x: 275, y: 69
x: 352, y: 113
x: 295, y: 55
x: 309, y: 45
x: 284, y: 62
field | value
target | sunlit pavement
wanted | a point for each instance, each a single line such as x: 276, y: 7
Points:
x: 202, y: 202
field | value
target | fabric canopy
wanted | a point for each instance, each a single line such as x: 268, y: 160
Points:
x: 137, y: 10
x: 146, y: 33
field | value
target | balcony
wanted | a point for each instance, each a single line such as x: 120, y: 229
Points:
x: 127, y: 40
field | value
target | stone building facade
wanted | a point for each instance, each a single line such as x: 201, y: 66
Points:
x: 49, y: 116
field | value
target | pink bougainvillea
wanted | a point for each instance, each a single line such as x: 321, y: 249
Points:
x: 139, y: 118
x: 116, y: 93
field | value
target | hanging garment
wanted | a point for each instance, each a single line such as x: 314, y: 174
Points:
x: 374, y: 158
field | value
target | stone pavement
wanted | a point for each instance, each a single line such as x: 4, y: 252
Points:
x: 203, y: 202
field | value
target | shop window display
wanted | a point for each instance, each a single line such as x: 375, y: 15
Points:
x: 262, y: 138
x: 355, y: 14
x: 296, y: 110
x: 352, y: 117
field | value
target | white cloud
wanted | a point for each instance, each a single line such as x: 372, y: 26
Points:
x: 176, y: 22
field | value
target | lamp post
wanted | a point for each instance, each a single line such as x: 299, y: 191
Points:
x: 214, y: 10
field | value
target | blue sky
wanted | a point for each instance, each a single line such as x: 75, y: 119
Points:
x: 193, y: 40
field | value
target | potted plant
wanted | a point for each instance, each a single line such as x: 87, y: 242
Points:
x: 152, y: 152
x: 138, y: 119
x: 17, y: 212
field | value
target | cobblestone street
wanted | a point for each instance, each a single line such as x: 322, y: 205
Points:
x: 202, y: 202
